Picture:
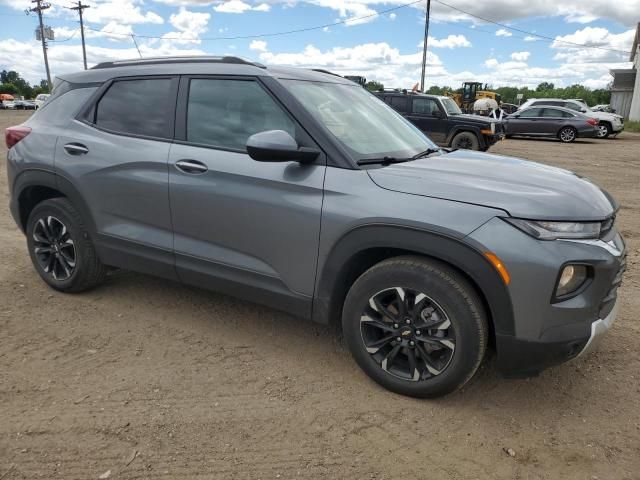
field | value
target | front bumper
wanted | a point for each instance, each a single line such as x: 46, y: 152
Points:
x: 545, y: 331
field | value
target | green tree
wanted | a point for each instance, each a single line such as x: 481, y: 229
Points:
x: 374, y: 86
x: 7, y: 87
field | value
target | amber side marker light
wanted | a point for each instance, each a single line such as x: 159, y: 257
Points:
x: 499, y: 266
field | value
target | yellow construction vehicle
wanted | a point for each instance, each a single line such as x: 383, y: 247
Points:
x: 474, y: 99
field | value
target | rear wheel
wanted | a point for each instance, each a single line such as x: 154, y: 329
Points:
x: 60, y: 247
x: 465, y: 140
x: 567, y: 134
x: 415, y: 326
x: 604, y: 130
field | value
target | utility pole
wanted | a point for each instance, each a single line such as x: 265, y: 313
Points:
x: 79, y: 8
x: 40, y: 6
x: 424, y: 47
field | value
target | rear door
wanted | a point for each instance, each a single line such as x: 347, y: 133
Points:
x: 427, y: 115
x: 553, y: 120
x: 242, y: 227
x: 116, y: 156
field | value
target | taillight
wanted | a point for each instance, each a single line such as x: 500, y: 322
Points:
x: 13, y: 135
x: 592, y: 121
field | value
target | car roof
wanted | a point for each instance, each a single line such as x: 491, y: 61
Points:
x: 555, y: 107
x: 200, y: 65
x: 553, y: 100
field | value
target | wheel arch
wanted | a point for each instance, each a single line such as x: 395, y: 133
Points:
x: 364, y: 246
x: 34, y: 186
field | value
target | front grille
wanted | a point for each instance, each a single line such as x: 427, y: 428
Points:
x: 609, y: 300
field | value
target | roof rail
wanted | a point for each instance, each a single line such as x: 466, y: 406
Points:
x: 321, y: 70
x: 169, y: 60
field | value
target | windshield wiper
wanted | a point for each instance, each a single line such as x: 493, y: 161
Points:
x: 390, y: 160
x: 382, y: 160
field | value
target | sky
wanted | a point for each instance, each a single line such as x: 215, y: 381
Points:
x: 378, y: 39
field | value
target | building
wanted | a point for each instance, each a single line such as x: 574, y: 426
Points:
x: 625, y: 89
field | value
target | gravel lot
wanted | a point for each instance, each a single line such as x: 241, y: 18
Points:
x: 149, y: 379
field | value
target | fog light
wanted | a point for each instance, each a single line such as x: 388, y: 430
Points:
x: 571, y: 279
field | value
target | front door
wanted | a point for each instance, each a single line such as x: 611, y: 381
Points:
x: 526, y: 122
x: 242, y: 227
x: 429, y: 118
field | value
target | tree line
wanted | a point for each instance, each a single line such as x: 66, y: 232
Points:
x: 543, y: 90
x: 11, y: 82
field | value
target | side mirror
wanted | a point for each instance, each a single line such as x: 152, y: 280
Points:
x: 436, y: 113
x: 278, y: 146
x: 583, y: 110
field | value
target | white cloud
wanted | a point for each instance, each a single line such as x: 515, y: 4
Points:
x: 520, y: 56
x: 531, y: 38
x: 503, y: 32
x: 189, y: 25
x: 392, y: 16
x: 377, y: 61
x: 491, y: 63
x: 238, y: 6
x: 611, y: 47
x: 258, y: 45
x: 120, y: 11
x: 452, y: 41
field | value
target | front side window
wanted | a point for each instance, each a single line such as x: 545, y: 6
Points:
x: 451, y: 106
x: 424, y: 106
x: 225, y: 113
x: 399, y: 103
x: 137, y: 107
x: 362, y: 123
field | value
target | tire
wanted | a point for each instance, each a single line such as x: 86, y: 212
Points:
x: 61, y: 249
x: 604, y: 130
x: 449, y: 326
x: 567, y: 134
x: 465, y: 140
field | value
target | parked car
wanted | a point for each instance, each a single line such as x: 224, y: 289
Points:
x: 40, y: 99
x: 603, y: 108
x: 608, y: 123
x: 7, y: 105
x: 561, y: 123
x: 508, y: 108
x: 24, y: 105
x: 442, y: 120
x: 301, y: 190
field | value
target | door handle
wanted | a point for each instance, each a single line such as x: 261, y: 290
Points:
x: 191, y: 166
x: 76, y: 149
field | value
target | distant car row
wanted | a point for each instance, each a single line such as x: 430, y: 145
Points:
x: 24, y: 104
x: 443, y: 121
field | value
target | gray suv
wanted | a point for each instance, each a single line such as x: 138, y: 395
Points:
x: 300, y: 190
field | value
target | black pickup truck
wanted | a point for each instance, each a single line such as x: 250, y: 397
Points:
x: 443, y: 121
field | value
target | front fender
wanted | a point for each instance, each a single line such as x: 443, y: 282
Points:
x: 465, y: 255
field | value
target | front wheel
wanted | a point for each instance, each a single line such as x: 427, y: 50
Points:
x: 604, y: 130
x: 567, y: 134
x: 415, y: 326
x: 465, y: 140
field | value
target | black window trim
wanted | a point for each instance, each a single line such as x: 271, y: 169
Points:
x: 87, y: 114
x: 180, y: 135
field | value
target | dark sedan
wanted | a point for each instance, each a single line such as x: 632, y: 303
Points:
x: 555, y: 122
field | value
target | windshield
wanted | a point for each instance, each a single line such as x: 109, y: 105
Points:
x: 364, y: 125
x: 451, y: 107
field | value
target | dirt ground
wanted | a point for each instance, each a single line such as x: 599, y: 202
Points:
x: 145, y: 378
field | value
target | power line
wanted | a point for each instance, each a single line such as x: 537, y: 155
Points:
x: 274, y: 34
x: 526, y: 32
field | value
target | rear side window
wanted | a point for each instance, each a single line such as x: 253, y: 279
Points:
x: 532, y: 112
x: 573, y: 106
x: 399, y: 103
x: 137, y: 107
x: 225, y: 113
x: 555, y: 113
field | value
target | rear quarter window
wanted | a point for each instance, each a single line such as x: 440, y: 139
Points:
x: 62, y: 108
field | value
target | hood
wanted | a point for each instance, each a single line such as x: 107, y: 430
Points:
x: 521, y: 188
x: 475, y: 119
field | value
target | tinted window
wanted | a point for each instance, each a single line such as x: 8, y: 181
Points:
x: 399, y: 103
x: 573, y: 106
x: 425, y: 106
x: 140, y: 107
x: 532, y: 112
x: 225, y: 113
x: 555, y: 113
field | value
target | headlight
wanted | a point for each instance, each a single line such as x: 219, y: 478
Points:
x: 571, y: 279
x: 544, y: 230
